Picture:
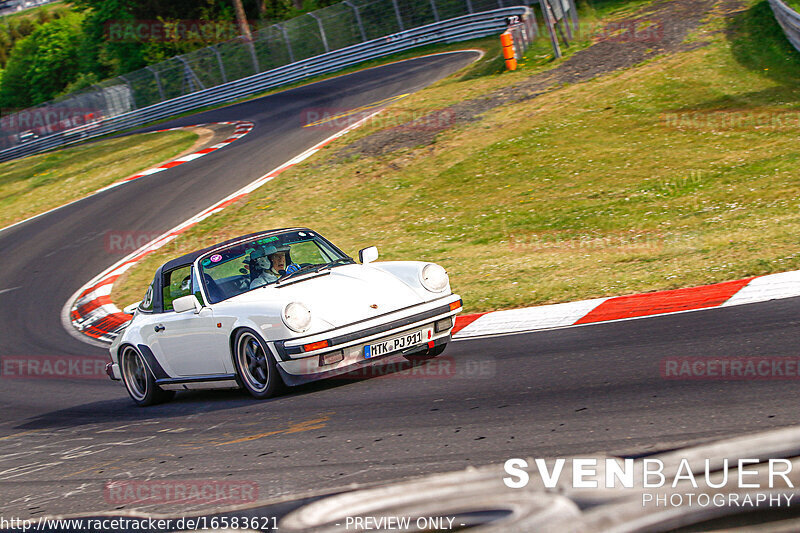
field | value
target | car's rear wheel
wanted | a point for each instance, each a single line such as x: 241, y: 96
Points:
x: 139, y: 381
x: 424, y: 355
x: 255, y: 366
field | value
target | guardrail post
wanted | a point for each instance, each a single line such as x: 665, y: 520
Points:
x: 321, y: 30
x: 397, y: 14
x: 158, y: 82
x: 358, y: 19
x: 288, y: 42
x: 219, y: 60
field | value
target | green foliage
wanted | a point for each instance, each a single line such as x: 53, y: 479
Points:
x: 42, y: 64
x: 18, y: 26
x: 759, y: 44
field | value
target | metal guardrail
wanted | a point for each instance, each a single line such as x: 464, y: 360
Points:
x: 453, y: 30
x: 789, y: 20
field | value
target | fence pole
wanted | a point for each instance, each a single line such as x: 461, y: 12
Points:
x: 358, y: 20
x: 158, y: 82
x: 130, y: 91
x: 188, y: 72
x: 566, y: 7
x: 321, y: 30
x: 550, y: 22
x: 435, y: 11
x: 397, y: 14
x: 288, y: 42
x: 469, y: 7
x: 219, y: 60
x: 574, y: 15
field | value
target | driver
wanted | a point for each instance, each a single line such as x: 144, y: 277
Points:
x: 270, y: 263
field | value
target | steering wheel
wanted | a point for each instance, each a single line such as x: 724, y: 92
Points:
x: 294, y: 267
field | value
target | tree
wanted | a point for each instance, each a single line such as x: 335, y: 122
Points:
x: 41, y: 65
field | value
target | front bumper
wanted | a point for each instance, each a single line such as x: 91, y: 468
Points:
x: 297, y: 366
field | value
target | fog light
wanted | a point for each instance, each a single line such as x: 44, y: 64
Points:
x: 443, y: 324
x: 331, y: 358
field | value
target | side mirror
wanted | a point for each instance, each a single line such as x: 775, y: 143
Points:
x: 131, y: 308
x: 186, y: 303
x: 368, y: 255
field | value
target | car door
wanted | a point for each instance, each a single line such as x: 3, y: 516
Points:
x: 190, y: 344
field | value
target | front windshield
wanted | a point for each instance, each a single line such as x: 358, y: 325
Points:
x: 263, y: 261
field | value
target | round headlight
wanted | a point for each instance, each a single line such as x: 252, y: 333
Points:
x: 297, y: 317
x: 434, y: 278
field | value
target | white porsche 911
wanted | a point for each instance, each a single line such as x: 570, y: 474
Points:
x: 281, y: 307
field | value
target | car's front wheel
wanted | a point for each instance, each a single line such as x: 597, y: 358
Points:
x: 255, y: 366
x: 139, y: 381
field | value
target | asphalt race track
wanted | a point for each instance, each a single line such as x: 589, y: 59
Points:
x: 577, y: 390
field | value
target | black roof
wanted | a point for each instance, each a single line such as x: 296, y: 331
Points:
x: 191, y: 256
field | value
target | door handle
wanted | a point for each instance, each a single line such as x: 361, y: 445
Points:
x: 159, y: 327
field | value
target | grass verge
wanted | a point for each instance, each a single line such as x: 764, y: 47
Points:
x: 38, y: 183
x: 678, y: 172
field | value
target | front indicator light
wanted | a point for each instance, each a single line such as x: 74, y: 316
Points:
x: 455, y: 305
x: 331, y: 358
x: 315, y: 346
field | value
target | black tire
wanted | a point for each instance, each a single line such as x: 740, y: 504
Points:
x: 138, y: 380
x: 256, y: 370
x: 425, y: 355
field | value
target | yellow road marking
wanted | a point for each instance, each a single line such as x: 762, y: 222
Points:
x: 21, y: 434
x: 307, y: 425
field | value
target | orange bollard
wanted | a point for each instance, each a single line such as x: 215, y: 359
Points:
x: 507, y: 41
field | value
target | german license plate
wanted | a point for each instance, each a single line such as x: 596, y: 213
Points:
x: 393, y: 345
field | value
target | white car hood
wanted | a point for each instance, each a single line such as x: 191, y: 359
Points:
x: 346, y: 294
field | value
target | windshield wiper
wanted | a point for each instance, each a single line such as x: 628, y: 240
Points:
x: 340, y: 261
x: 305, y: 269
x: 314, y: 268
